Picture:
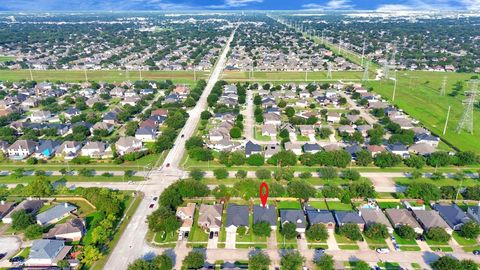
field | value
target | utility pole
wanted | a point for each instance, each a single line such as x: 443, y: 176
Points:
x: 466, y: 122
x: 306, y: 75
x: 446, y: 121
x: 366, y: 72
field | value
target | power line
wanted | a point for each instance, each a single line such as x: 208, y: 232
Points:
x: 466, y: 122
x: 444, y: 86
x: 365, y: 72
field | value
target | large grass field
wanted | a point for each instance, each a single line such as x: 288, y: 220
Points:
x: 101, y: 75
x: 289, y: 76
x: 418, y: 94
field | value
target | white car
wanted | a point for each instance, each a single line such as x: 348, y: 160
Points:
x: 383, y: 250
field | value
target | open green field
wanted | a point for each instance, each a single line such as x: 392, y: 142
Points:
x: 289, y: 76
x: 440, y: 182
x: 418, y: 94
x: 100, y: 75
x: 6, y: 58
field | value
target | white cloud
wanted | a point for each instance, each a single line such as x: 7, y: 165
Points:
x: 471, y: 4
x: 330, y: 5
x: 234, y: 3
x: 393, y: 7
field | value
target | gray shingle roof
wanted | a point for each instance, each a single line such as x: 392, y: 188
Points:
x: 45, y: 249
x: 237, y: 215
x: 265, y: 214
x: 343, y: 217
x: 319, y: 217
x: 296, y: 217
x: 58, y: 211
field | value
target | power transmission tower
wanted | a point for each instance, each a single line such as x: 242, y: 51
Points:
x: 365, y: 71
x: 466, y: 122
x: 444, y: 86
x: 329, y: 73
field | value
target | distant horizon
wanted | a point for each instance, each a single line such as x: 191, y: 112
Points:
x: 237, y: 5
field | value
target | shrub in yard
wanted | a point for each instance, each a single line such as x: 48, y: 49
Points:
x: 406, y: 232
x: 305, y: 175
x: 350, y: 175
x: 263, y: 174
x: 471, y: 230
x: 289, y: 230
x: 262, y: 228
x: 377, y: 231
x: 241, y: 174
x: 258, y: 261
x: 317, y: 232
x: 197, y: 174
x: 325, y: 262
x: 351, y: 231
x: 438, y: 234
x: 328, y: 173
x: 291, y: 260
x: 220, y: 173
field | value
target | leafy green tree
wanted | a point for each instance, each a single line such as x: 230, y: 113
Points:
x: 438, y: 234
x: 194, y: 141
x: 39, y: 187
x: 361, y: 265
x: 255, y: 160
x: 415, y: 161
x: 446, y: 263
x: 259, y: 261
x: 242, y: 174
x: 289, y: 111
x: 317, y: 232
x: 262, y: 228
x: 21, y: 220
x: 376, y: 231
x: 470, y: 230
x: 283, y: 158
x: 140, y: 264
x: 301, y: 189
x: 468, y: 265
x: 325, y: 262
x: 425, y: 191
x: 352, y: 175
x: 163, y: 220
x: 162, y: 262
x: 328, y: 172
x: 63, y: 264
x: 263, y: 174
x: 90, y: 254
x: 289, y: 230
x: 351, y: 231
x: 34, y: 231
x: 194, y: 260
x: 220, y: 173
x: 364, y: 158
x: 386, y: 159
x: 291, y: 260
x: 406, y: 232
x: 197, y: 174
x: 235, y: 132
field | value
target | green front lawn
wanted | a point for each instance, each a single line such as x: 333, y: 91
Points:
x: 339, y: 206
x: 319, y: 205
x: 289, y: 205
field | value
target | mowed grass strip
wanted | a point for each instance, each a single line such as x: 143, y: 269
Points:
x: 101, y: 75
x: 283, y: 76
x: 418, y: 94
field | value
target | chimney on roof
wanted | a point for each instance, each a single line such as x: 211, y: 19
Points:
x: 66, y: 205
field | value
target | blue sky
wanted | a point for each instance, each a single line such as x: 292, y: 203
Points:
x: 78, y: 5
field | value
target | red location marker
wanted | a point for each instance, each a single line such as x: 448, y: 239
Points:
x: 264, y: 196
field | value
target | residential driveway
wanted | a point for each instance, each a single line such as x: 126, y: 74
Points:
x: 230, y: 240
x: 9, y: 245
x: 423, y: 246
x: 302, y: 243
x: 331, y: 241
x: 212, y: 243
x: 363, y: 245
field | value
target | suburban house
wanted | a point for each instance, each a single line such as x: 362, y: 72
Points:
x: 317, y: 216
x: 269, y: 130
x: 345, y: 217
x: 267, y: 214
x: 5, y: 208
x: 46, y: 253
x: 69, y: 149
x: 40, y: 116
x: 186, y: 214
x: 72, y: 230
x: 452, y: 214
x: 128, y: 144
x: 312, y: 148
x: 210, y: 217
x: 252, y: 148
x: 375, y: 215
x: 102, y: 126
x: 403, y: 217
x: 294, y: 147
x: 146, y: 134
x: 55, y: 214
x: 270, y: 149
x: 474, y: 213
x: 47, y: 149
x: 296, y: 217
x: 30, y: 206
x: 333, y: 117
x: 430, y: 219
x: 237, y: 216
x: 272, y: 119
x: 21, y: 149
x: 96, y: 150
